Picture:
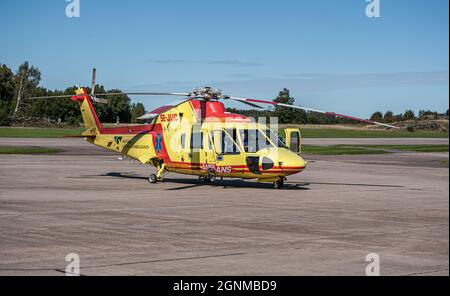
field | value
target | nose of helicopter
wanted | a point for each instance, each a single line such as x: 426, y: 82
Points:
x: 291, y: 163
x: 284, y: 162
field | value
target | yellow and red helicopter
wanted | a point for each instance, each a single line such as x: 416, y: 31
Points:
x: 196, y: 136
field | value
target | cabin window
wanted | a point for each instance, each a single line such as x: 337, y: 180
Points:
x: 254, y: 140
x: 197, y: 140
x: 183, y: 141
x: 225, y: 142
x: 207, y: 141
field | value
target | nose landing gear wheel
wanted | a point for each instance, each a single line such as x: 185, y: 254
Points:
x: 152, y: 179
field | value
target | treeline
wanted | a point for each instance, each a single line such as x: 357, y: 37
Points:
x: 295, y: 116
x: 390, y: 117
x: 17, y: 86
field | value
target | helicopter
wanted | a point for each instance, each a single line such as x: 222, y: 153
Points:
x: 197, y: 136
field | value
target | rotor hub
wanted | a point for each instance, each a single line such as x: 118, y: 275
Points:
x: 207, y: 93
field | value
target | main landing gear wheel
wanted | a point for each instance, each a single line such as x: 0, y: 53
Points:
x: 160, y: 172
x: 278, y: 184
x: 152, y: 179
x: 210, y: 178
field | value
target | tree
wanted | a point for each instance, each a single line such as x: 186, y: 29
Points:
x: 6, y: 92
x: 388, y: 117
x: 26, y: 80
x: 423, y: 113
x: 285, y: 115
x: 398, y: 117
x: 409, y: 115
x: 377, y: 116
x: 301, y: 117
x: 137, y: 110
x: 118, y: 106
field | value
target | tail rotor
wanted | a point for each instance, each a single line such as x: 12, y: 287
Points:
x: 93, y: 97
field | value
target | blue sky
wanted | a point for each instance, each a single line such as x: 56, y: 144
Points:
x: 327, y: 52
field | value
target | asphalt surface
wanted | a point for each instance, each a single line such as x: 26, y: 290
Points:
x: 324, y: 222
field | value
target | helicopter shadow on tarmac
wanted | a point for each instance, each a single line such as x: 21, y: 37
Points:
x: 226, y: 183
x: 232, y: 183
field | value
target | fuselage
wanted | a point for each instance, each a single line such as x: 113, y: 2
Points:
x: 197, y: 138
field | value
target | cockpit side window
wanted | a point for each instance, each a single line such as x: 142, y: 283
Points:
x: 275, y: 139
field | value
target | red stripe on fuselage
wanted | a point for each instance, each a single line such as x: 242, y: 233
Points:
x: 97, y: 121
x: 127, y: 130
x: 234, y: 166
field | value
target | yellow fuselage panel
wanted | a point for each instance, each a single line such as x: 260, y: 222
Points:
x: 139, y: 147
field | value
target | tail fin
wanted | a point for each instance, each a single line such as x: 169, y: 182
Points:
x: 90, y: 119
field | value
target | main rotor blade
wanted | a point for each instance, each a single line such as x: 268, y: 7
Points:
x: 95, y: 99
x: 100, y: 101
x: 247, y: 103
x: 144, y: 94
x: 116, y: 94
x: 51, y: 97
x: 333, y: 114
